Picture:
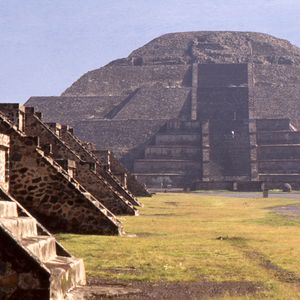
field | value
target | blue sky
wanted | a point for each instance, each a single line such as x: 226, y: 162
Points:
x: 45, y: 45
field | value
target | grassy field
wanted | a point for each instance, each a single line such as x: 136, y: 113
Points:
x: 195, y: 237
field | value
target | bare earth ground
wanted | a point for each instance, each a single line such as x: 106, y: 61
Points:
x: 104, y: 289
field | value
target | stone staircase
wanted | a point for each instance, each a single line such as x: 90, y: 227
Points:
x: 103, y: 211
x: 66, y: 208
x: 85, y: 172
x: 173, y: 157
x: 36, y: 265
x: 278, y: 152
x: 70, y: 139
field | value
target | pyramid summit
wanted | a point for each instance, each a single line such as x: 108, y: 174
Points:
x: 193, y: 108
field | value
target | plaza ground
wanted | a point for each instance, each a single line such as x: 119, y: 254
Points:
x: 200, y: 245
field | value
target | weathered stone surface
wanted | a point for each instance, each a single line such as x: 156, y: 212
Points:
x: 28, y: 252
x: 48, y: 191
x: 226, y: 78
x: 28, y: 262
x: 77, y: 166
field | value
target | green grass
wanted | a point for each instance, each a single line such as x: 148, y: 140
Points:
x: 195, y: 237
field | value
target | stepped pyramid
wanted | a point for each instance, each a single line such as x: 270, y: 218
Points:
x: 33, y: 265
x: 174, y: 156
x: 208, y: 86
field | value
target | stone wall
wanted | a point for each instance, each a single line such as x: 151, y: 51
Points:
x: 47, y: 191
x: 4, y: 161
x: 86, y: 176
x: 102, y: 170
x: 15, y: 112
x: 278, y: 137
x: 166, y: 166
x: 119, y: 206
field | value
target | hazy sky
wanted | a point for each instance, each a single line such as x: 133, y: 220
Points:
x: 47, y: 44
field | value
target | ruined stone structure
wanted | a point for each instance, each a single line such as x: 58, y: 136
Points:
x: 33, y: 265
x: 48, y: 191
x: 108, y: 163
x: 194, y: 109
x: 84, y: 170
x: 102, y: 169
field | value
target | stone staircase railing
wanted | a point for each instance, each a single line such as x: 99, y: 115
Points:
x: 97, y: 210
x: 108, y: 176
x: 40, y: 249
x: 71, y: 154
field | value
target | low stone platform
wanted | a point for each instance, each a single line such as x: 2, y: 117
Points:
x: 33, y: 264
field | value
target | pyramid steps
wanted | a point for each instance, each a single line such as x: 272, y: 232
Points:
x: 173, y: 157
x: 278, y: 153
x: 66, y: 273
x: 71, y: 140
x: 115, y: 223
x: 273, y: 124
x: 36, y: 243
x: 173, y: 151
x: 177, y: 138
x: 281, y: 137
x: 128, y: 206
x: 165, y: 165
x: 8, y: 209
x: 107, y: 175
x: 280, y: 166
x: 277, y: 177
x: 115, y: 182
x: 61, y: 152
x: 132, y: 187
x: 20, y: 227
x: 42, y: 246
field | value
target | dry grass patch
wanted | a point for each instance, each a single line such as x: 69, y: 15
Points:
x: 199, y: 238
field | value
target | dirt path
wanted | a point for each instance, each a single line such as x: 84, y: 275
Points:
x: 263, y: 261
x: 112, y: 289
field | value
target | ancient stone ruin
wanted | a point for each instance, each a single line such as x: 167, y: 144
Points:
x: 194, y: 110
x: 33, y: 265
x: 49, y: 178
x: 48, y: 191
